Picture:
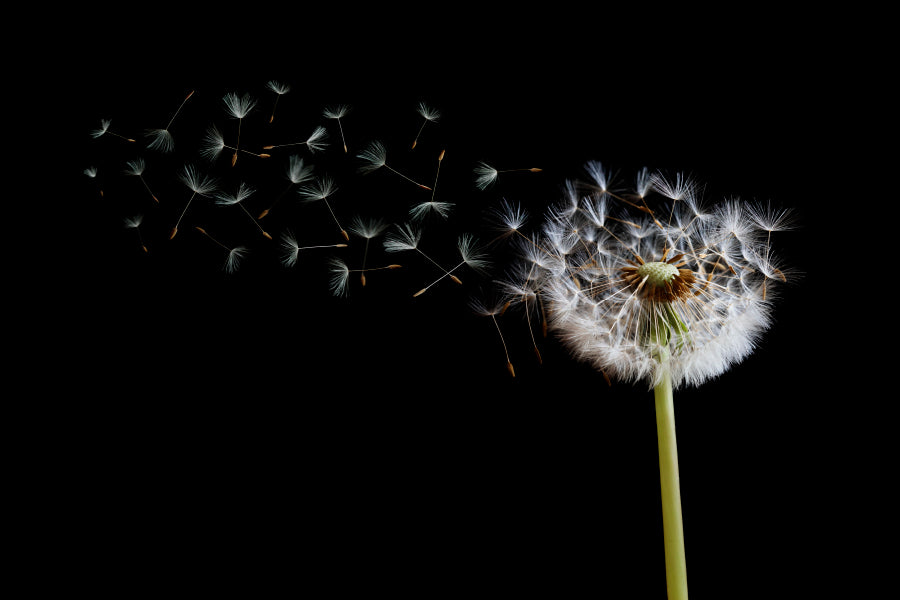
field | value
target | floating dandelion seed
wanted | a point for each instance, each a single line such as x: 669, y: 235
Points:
x: 161, y: 139
x: 214, y: 143
x: 291, y: 249
x: 486, y: 175
x: 406, y: 237
x: 340, y: 275
x: 423, y: 209
x: 493, y: 311
x: 374, y: 157
x: 92, y: 173
x: 429, y: 115
x: 670, y: 300
x: 199, y: 184
x: 315, y: 142
x: 238, y: 107
x: 136, y: 168
x: 337, y: 113
x: 104, y: 129
x: 234, y: 257
x: 471, y: 254
x: 135, y: 223
x: 321, y: 190
x: 368, y: 230
x: 280, y: 89
x: 297, y: 173
x: 243, y: 192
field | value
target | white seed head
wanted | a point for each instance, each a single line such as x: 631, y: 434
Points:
x: 238, y: 106
x: 374, y: 156
x: 485, y: 175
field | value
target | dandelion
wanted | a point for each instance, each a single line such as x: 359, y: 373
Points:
x: 214, y: 143
x: 135, y: 168
x: 423, y: 209
x: 493, y: 311
x: 472, y: 255
x: 406, y: 237
x: 238, y: 107
x: 91, y: 172
x: 291, y: 249
x: 374, y: 157
x: 135, y: 223
x: 104, y: 129
x: 367, y: 230
x: 486, y: 175
x: 337, y: 113
x: 671, y: 300
x: 297, y: 173
x: 280, y: 89
x: 199, y: 184
x: 235, y: 254
x: 321, y: 190
x: 315, y: 142
x: 243, y: 192
x: 429, y: 115
x: 161, y: 139
x: 340, y: 275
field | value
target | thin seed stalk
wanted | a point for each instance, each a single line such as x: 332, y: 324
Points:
x: 673, y: 529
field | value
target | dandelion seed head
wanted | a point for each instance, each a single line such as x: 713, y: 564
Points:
x: 320, y: 190
x: 374, y: 156
x: 134, y: 222
x: 235, y: 256
x: 238, y: 106
x: 135, y: 167
x: 91, y: 172
x: 340, y: 276
x: 402, y: 237
x: 472, y: 254
x: 213, y: 143
x: 297, y: 171
x: 316, y: 142
x: 104, y: 127
x: 423, y: 209
x: 198, y: 183
x: 161, y: 140
x: 278, y: 87
x: 366, y: 228
x: 428, y: 113
x: 635, y: 296
x: 336, y: 112
x: 290, y: 249
x: 485, y: 175
x: 243, y: 192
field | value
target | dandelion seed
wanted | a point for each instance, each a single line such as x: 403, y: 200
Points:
x: 493, y: 311
x: 423, y: 209
x: 291, y: 249
x: 374, y: 156
x: 200, y: 185
x: 367, y: 230
x: 238, y: 107
x: 104, y: 129
x: 340, y: 277
x: 235, y: 254
x: 214, y: 143
x: 406, y: 237
x: 161, y: 139
x: 243, y: 192
x: 315, y: 142
x: 297, y: 173
x: 486, y: 175
x: 92, y: 173
x: 136, y: 168
x: 321, y: 190
x: 135, y: 223
x: 429, y: 115
x: 472, y: 255
x: 337, y: 113
x: 280, y: 89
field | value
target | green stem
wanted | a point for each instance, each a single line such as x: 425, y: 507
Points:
x: 673, y: 530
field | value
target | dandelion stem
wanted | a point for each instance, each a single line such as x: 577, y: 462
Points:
x: 673, y: 530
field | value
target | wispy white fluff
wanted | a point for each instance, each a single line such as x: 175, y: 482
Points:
x: 583, y: 264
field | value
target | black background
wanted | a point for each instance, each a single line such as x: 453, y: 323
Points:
x: 377, y: 442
